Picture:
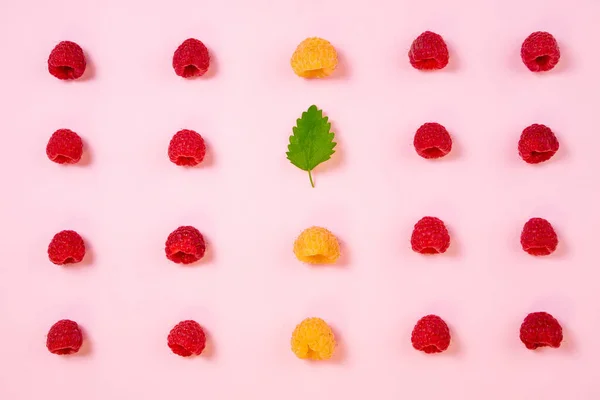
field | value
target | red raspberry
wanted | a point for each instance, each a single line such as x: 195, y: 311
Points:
x: 428, y: 52
x: 64, y: 337
x: 187, y: 148
x: 431, y: 335
x: 191, y: 59
x: 540, y: 329
x: 185, y: 245
x: 187, y: 338
x: 432, y: 140
x: 66, y: 247
x: 537, y: 144
x: 430, y: 236
x: 538, y: 237
x: 540, y: 52
x: 66, y: 61
x: 64, y: 147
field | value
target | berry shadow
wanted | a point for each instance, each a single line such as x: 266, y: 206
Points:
x: 340, y: 353
x: 86, y: 347
x: 86, y: 157
x: 455, y: 247
x: 456, y: 151
x: 345, y: 256
x: 209, y: 351
x: 88, y: 259
x: 209, y: 157
x: 455, y: 348
x: 568, y: 344
x: 90, y: 69
x: 209, y: 254
x: 342, y: 71
x: 454, y: 60
x: 213, y: 68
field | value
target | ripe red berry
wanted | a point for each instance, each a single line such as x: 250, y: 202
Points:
x: 187, y: 148
x: 64, y: 147
x: 185, y: 245
x: 537, y: 144
x: 191, y: 59
x: 431, y: 335
x: 66, y: 247
x: 540, y: 52
x: 64, y: 337
x: 432, y: 140
x: 428, y: 52
x: 67, y: 61
x: 187, y: 338
x: 430, y: 236
x: 540, y: 329
x: 538, y: 237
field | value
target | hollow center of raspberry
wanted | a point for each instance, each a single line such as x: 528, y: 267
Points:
x: 542, y: 61
x: 69, y: 260
x: 62, y: 159
x: 540, y: 156
x: 64, y: 350
x: 536, y: 345
x: 190, y: 70
x: 317, y: 72
x: 429, y: 250
x: 318, y: 259
x: 65, y: 71
x: 431, y: 349
x: 427, y: 63
x: 180, y: 350
x: 434, y: 152
x: 184, y: 258
x: 538, y: 251
x: 186, y: 161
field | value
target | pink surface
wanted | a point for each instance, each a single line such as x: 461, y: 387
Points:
x: 250, y: 202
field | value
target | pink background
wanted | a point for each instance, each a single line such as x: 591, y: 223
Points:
x: 250, y: 202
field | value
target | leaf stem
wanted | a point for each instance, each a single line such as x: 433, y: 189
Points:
x: 311, y: 181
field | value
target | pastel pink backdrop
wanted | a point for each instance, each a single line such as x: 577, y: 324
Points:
x: 250, y: 202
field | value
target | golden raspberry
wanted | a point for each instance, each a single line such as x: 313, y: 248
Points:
x: 314, y: 58
x: 313, y: 339
x: 317, y: 245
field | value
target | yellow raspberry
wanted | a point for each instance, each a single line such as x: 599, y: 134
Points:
x: 314, y: 58
x: 317, y: 245
x: 313, y: 339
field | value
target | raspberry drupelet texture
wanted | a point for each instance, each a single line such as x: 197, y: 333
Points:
x: 187, y: 338
x: 317, y: 245
x: 540, y: 329
x: 431, y: 335
x: 64, y: 147
x: 67, y: 61
x: 66, y: 247
x: 540, y: 52
x: 64, y: 337
x: 430, y: 236
x: 538, y: 237
x: 191, y: 59
x: 313, y: 339
x: 187, y: 148
x: 314, y: 58
x: 537, y: 144
x: 185, y: 245
x: 428, y: 52
x: 432, y: 140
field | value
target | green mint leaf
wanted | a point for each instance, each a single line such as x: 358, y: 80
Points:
x: 312, y: 142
